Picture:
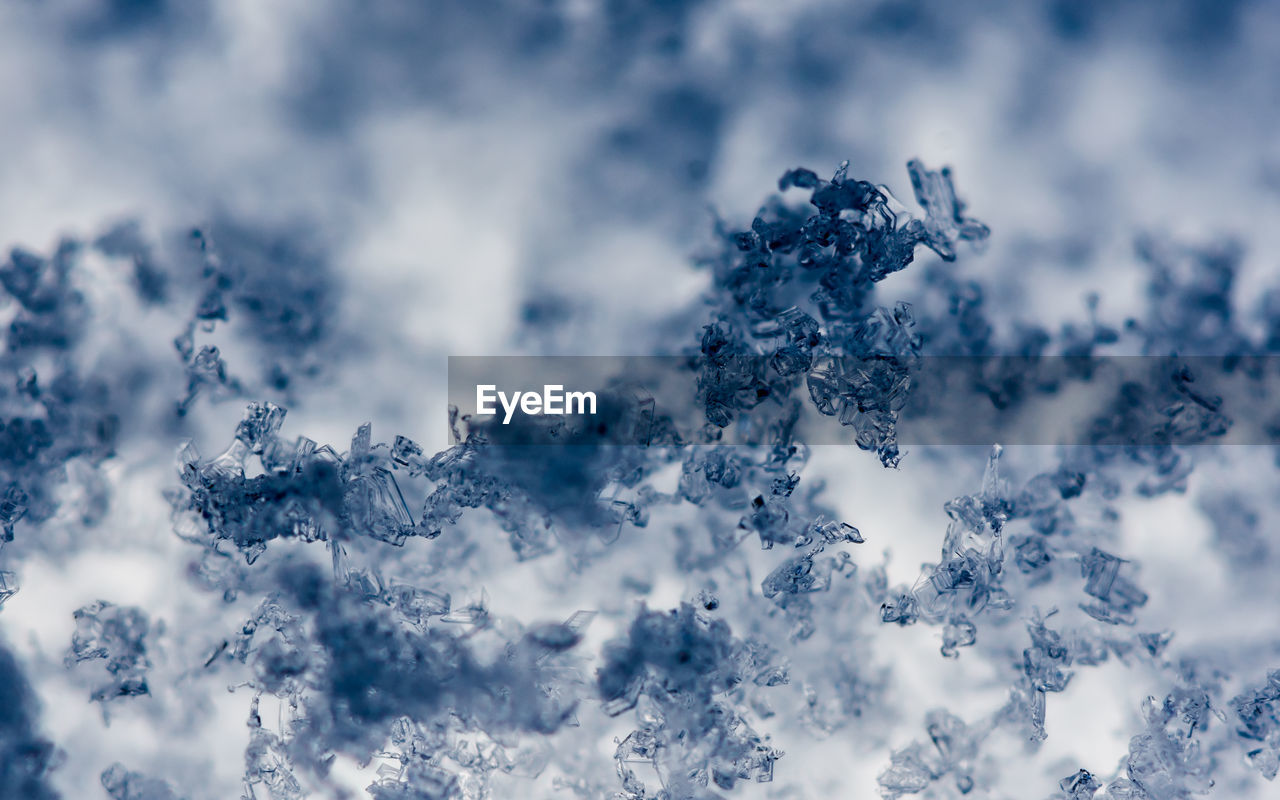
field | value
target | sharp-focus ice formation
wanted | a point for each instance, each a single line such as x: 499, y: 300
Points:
x: 794, y: 300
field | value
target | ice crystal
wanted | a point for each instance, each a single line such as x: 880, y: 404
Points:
x: 794, y: 296
x: 1258, y: 713
x: 117, y: 635
x: 677, y: 670
x: 56, y: 412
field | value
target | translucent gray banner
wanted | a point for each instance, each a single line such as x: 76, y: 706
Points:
x: 922, y: 400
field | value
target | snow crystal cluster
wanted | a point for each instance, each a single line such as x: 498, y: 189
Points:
x: 715, y: 610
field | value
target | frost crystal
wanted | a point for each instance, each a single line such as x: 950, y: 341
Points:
x: 117, y: 635
x: 677, y: 669
x: 1258, y: 712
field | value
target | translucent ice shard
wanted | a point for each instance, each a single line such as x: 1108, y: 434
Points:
x: 377, y: 507
x: 8, y: 586
x: 952, y: 749
x: 945, y: 222
x: 677, y: 669
x: 117, y: 635
x: 259, y: 426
